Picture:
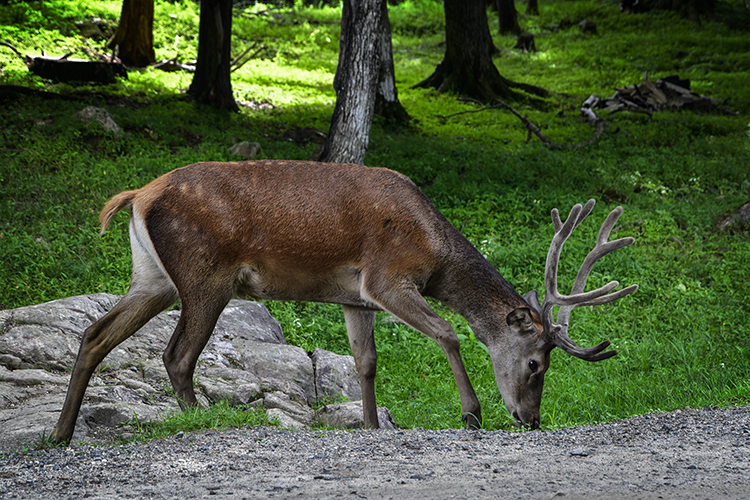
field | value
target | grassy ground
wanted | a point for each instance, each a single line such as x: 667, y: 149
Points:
x: 683, y: 337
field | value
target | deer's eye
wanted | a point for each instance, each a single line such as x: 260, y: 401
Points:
x: 533, y: 366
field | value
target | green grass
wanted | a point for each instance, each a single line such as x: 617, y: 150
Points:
x: 683, y: 338
x: 219, y: 416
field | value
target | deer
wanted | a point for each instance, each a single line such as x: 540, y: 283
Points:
x: 365, y: 238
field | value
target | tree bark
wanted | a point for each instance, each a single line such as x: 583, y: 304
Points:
x: 387, y: 104
x: 134, y: 37
x: 508, y: 17
x: 467, y: 66
x: 691, y: 9
x: 356, y: 80
x: 212, y: 83
x: 532, y: 8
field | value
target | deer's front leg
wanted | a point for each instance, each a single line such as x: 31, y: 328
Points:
x: 471, y: 412
x: 405, y: 302
x: 360, y: 325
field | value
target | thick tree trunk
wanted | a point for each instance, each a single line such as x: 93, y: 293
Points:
x: 532, y: 8
x: 134, y: 37
x: 691, y: 9
x: 212, y: 83
x: 467, y: 66
x: 387, y: 104
x: 355, y: 82
x: 508, y: 17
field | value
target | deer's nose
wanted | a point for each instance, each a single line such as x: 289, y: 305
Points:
x: 532, y: 423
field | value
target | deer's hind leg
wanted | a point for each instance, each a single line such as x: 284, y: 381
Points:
x: 150, y: 293
x: 202, y: 304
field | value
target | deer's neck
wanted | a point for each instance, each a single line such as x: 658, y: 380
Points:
x: 473, y: 288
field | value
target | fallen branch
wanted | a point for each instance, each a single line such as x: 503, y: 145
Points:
x: 236, y: 59
x: 599, y: 123
x: 102, y: 57
x: 4, y: 44
x: 667, y: 94
x: 63, y: 69
x: 236, y: 64
x: 173, y: 65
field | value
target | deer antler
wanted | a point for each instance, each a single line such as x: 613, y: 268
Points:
x: 556, y: 331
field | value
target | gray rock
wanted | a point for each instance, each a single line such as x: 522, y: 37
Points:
x: 335, y: 377
x: 349, y: 416
x: 227, y: 384
x: 740, y: 216
x: 246, y: 361
x: 245, y: 149
x: 282, y: 368
x: 105, y: 119
x: 284, y: 420
x: 300, y: 413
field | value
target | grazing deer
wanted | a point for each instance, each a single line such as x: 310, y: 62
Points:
x: 365, y: 238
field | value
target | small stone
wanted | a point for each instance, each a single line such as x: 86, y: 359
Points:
x: 245, y: 149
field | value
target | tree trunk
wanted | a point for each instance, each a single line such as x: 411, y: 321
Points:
x: 387, y: 104
x: 134, y: 36
x: 691, y: 9
x: 532, y: 8
x: 355, y: 82
x: 508, y: 17
x: 211, y: 82
x: 467, y: 66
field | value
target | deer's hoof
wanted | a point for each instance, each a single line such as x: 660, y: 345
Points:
x: 472, y: 421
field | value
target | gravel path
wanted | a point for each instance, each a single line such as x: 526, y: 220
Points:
x: 684, y: 454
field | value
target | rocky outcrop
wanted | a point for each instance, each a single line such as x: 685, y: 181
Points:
x: 246, y: 362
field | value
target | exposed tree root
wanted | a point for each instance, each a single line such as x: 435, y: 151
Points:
x: 485, y: 84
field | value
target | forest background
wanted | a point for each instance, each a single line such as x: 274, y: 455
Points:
x: 683, y: 338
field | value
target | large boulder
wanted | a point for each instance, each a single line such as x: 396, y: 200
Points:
x: 246, y: 361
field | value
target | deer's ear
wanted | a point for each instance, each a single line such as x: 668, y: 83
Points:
x: 532, y: 298
x: 520, y: 320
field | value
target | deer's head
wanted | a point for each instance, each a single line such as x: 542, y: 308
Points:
x: 521, y: 355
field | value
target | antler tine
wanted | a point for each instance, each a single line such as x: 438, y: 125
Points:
x: 587, y: 208
x: 602, y: 248
x: 587, y: 354
x: 580, y: 217
x: 557, y: 331
x: 562, y: 231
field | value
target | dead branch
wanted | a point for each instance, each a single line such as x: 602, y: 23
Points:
x: 599, y: 123
x: 237, y: 59
x: 23, y: 57
x: 667, y: 94
x: 101, y: 57
x: 235, y: 65
x: 63, y: 69
x: 173, y: 65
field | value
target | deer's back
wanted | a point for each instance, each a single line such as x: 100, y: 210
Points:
x: 286, y: 222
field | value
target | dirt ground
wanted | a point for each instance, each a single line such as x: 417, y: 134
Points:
x: 687, y: 454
